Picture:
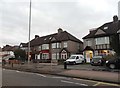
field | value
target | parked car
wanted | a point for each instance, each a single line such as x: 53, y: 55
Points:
x: 75, y: 59
x: 113, y: 63
x: 97, y: 61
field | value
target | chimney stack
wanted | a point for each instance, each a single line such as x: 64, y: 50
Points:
x: 60, y: 30
x: 115, y: 18
x: 36, y: 36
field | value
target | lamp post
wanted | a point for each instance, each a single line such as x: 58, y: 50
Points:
x: 29, y: 32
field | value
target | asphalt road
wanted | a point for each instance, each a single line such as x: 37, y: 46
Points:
x: 17, y: 78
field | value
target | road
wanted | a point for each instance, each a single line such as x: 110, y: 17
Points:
x: 18, y: 78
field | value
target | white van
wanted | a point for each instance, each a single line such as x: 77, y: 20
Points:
x: 75, y: 59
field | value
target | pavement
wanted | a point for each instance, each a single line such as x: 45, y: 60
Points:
x: 54, y: 69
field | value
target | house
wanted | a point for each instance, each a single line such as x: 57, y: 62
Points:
x: 55, y: 46
x: 99, y: 40
x: 8, y: 51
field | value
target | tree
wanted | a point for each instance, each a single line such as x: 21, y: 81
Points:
x: 20, y: 54
x: 115, y: 43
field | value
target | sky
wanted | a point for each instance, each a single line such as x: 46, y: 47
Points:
x: 74, y: 16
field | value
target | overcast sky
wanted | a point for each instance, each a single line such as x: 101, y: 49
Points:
x: 74, y: 16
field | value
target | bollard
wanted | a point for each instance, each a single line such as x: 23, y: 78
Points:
x: 65, y: 65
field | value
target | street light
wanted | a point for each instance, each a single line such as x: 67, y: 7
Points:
x: 29, y: 32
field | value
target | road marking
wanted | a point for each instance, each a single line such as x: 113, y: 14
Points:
x: 57, y: 77
x: 111, y: 84
x: 74, y: 83
x: 98, y: 83
x: 41, y: 75
x: 85, y: 80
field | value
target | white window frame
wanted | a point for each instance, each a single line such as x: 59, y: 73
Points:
x: 57, y: 54
x: 53, y: 56
x: 102, y: 40
x: 45, y: 46
x: 58, y: 45
x: 53, y: 45
x: 89, y: 43
x: 45, y: 56
x: 65, y: 44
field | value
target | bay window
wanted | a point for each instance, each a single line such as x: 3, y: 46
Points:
x: 56, y: 45
x: 45, y: 46
x: 102, y: 40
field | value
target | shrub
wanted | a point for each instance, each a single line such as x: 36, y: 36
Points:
x: 61, y: 61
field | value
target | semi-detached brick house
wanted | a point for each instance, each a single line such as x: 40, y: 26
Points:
x: 99, y: 40
x: 54, y: 46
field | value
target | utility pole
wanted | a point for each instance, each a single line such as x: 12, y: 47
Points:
x: 29, y: 33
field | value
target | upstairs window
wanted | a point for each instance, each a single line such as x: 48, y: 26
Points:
x: 89, y: 43
x: 65, y: 44
x: 56, y: 45
x: 105, y: 28
x: 39, y: 47
x: 102, y: 40
x: 45, y: 46
x: 53, y: 45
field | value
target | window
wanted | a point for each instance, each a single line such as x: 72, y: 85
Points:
x: 57, y: 55
x: 45, y: 46
x: 39, y: 47
x: 53, y: 45
x: 89, y: 43
x: 45, y: 56
x: 65, y: 44
x: 77, y: 57
x: 54, y: 56
x: 105, y: 28
x: 50, y: 38
x: 45, y: 39
x: 78, y: 45
x: 56, y: 45
x: 102, y: 40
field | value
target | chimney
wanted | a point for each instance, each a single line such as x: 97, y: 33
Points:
x: 90, y: 30
x: 36, y: 36
x: 115, y: 18
x: 60, y: 30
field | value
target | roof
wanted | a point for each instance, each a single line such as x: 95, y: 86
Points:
x: 88, y: 48
x: 109, y: 28
x: 56, y: 37
x: 23, y: 44
x: 9, y: 48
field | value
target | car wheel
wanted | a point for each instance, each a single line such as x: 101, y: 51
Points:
x: 74, y: 62
x: 112, y: 66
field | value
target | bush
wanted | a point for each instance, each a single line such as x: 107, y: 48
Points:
x: 61, y: 61
x: 109, y: 57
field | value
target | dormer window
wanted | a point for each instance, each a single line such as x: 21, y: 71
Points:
x: 105, y: 28
x: 50, y: 38
x: 45, y: 39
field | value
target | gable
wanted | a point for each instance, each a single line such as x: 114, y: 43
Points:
x: 63, y: 51
x: 99, y: 31
x: 53, y: 39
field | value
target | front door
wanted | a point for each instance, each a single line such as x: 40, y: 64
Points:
x: 64, y: 56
